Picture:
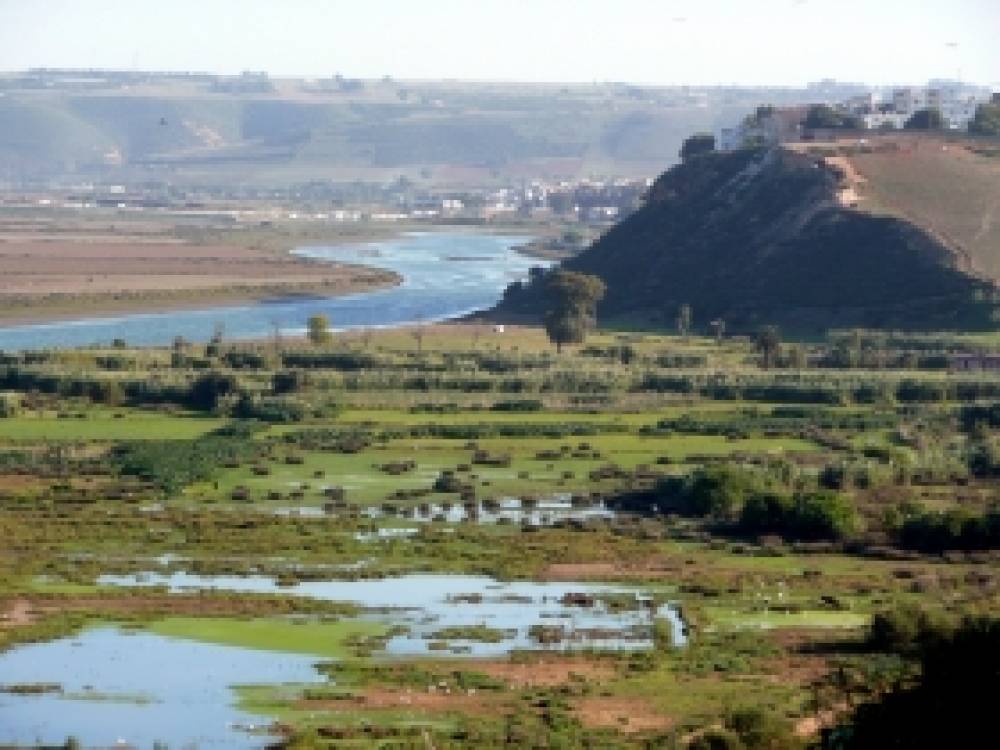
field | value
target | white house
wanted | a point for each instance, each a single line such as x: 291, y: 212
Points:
x: 885, y: 121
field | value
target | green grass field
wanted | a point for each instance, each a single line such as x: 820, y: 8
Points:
x: 322, y: 638
x: 98, y: 424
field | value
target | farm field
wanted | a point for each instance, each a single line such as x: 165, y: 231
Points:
x: 461, y: 538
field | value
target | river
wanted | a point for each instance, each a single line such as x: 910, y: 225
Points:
x: 445, y: 275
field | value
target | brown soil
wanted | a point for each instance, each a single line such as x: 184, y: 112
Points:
x: 628, y: 715
x: 544, y: 670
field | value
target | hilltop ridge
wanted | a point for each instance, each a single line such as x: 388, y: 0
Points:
x: 774, y: 235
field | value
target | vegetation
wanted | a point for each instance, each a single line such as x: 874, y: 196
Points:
x: 571, y: 315
x: 826, y: 117
x: 699, y: 143
x: 987, y: 120
x: 944, y: 705
x: 319, y: 329
x: 926, y: 119
x: 821, y: 521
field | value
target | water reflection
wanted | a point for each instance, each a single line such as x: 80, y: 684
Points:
x: 137, y: 689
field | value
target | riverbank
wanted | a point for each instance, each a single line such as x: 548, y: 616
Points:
x: 419, y: 277
x: 66, y: 271
x: 50, y: 277
x: 21, y: 310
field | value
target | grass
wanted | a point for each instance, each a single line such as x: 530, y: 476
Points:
x: 741, y: 651
x: 103, y: 425
x: 364, y: 483
x: 328, y: 638
x: 770, y: 620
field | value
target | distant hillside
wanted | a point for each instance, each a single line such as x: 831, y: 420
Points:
x: 768, y: 236
x: 187, y: 130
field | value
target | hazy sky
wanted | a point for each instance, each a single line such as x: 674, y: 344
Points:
x: 641, y: 41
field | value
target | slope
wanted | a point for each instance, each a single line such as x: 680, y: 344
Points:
x: 768, y: 236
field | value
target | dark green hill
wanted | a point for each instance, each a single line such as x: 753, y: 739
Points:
x: 760, y: 236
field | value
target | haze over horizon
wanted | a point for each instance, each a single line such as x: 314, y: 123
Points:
x: 713, y: 42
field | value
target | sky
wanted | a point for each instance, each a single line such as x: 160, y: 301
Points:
x: 670, y: 42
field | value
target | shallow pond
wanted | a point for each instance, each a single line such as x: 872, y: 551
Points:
x: 548, y: 512
x: 120, y: 688
x: 575, y: 615
x: 439, y: 282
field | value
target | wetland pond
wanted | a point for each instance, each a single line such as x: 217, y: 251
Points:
x: 434, y: 609
x: 118, y: 687
x: 511, y: 510
x: 440, y: 281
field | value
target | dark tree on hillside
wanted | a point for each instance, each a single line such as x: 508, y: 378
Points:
x: 926, y: 119
x: 699, y: 143
x: 768, y: 343
x: 574, y: 297
x: 825, y: 116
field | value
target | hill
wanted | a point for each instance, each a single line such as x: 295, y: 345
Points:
x: 202, y: 130
x: 772, y: 236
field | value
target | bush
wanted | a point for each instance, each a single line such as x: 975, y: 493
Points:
x: 905, y: 630
x: 810, y: 516
x: 522, y: 405
x: 718, y: 491
x: 953, y: 529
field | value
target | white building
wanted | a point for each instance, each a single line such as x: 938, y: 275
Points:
x: 885, y: 121
x: 957, y: 107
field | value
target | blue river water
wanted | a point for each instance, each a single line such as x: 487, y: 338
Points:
x: 445, y: 275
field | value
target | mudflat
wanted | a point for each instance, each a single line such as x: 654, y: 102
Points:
x: 46, y: 276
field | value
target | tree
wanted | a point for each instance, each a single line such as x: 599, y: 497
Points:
x: 987, y: 119
x: 417, y: 333
x: 574, y: 301
x: 565, y: 328
x: 768, y: 343
x: 684, y: 319
x: 319, y: 330
x: 926, y: 119
x: 206, y: 392
x: 699, y: 143
x: 825, y: 116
